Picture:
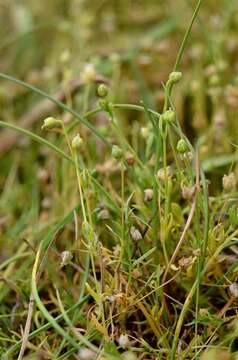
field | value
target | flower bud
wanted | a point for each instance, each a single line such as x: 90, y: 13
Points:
x: 66, y: 257
x: 88, y: 73
x: 117, y: 152
x: 124, y: 341
x: 188, y: 192
x: 102, y: 90
x: 229, y: 182
x: 129, y: 158
x: 162, y: 174
x: 148, y: 195
x: 77, y: 142
x: 182, y: 146
x: 175, y: 77
x: 234, y: 290
x: 168, y: 116
x: 51, y: 123
x: 86, y: 354
x: 135, y: 234
x: 145, y: 131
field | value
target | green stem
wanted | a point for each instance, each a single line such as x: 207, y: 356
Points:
x: 186, y: 36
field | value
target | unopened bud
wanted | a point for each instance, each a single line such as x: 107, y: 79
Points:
x: 88, y: 73
x: 188, y: 192
x: 175, y: 77
x: 102, y: 90
x: 66, y: 257
x: 124, y: 340
x: 162, y: 174
x: 77, y: 142
x: 135, y: 233
x: 148, y: 195
x: 182, y: 146
x: 51, y: 123
x: 168, y: 117
x: 234, y: 290
x: 86, y: 354
x: 129, y: 158
x: 117, y: 152
x: 145, y: 131
x: 229, y: 182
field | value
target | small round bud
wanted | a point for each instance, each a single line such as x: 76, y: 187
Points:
x: 168, y: 117
x: 145, y: 131
x: 162, y: 174
x: 234, y: 290
x: 148, y: 195
x: 88, y: 73
x: 106, y: 106
x: 129, y: 158
x: 175, y: 77
x: 77, y: 142
x: 136, y: 273
x: 229, y: 182
x: 117, y: 152
x: 86, y: 354
x: 182, y: 146
x: 188, y: 192
x: 135, y: 234
x: 102, y: 90
x: 51, y: 123
x: 66, y: 257
x: 124, y: 341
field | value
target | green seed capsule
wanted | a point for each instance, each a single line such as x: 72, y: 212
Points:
x: 51, y: 123
x: 117, y: 152
x: 77, y: 142
x: 182, y: 146
x: 175, y: 77
x: 102, y: 90
x: 168, y: 117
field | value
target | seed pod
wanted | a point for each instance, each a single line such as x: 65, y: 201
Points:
x: 86, y: 354
x: 162, y: 174
x: 135, y: 233
x: 117, y: 152
x: 188, y: 192
x: 234, y: 290
x: 124, y: 341
x: 102, y: 90
x: 168, y: 117
x: 148, y: 195
x: 129, y: 159
x: 51, y: 123
x: 229, y: 182
x: 89, y: 73
x: 145, y: 132
x: 66, y: 257
x: 182, y: 146
x: 175, y: 77
x: 77, y: 142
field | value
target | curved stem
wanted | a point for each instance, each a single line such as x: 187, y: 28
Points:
x: 186, y: 36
